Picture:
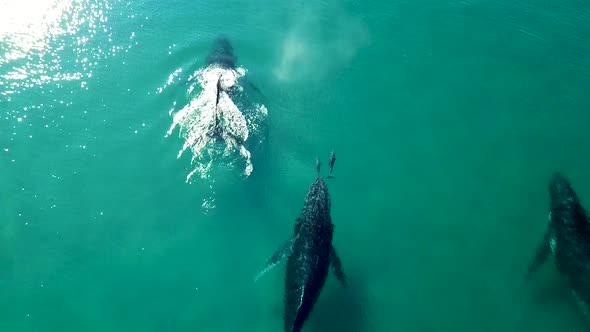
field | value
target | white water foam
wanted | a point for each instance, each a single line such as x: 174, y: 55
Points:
x: 197, y: 118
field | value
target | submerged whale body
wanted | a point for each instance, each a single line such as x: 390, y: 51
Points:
x: 567, y: 240
x: 309, y: 254
x: 222, y: 53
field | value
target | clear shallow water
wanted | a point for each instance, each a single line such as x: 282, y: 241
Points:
x: 447, y: 120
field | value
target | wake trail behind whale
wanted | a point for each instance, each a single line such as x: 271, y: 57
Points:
x: 236, y: 123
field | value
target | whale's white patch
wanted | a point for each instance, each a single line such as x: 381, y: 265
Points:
x: 301, y: 298
x: 583, y: 305
x: 552, y: 241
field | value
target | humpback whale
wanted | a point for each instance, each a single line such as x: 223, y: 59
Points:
x: 309, y: 253
x: 567, y: 240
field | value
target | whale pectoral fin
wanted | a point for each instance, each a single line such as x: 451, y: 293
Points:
x: 276, y: 258
x: 253, y: 87
x: 337, y: 266
x: 541, y: 255
x: 250, y: 85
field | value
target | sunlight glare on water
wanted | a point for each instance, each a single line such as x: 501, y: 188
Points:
x: 29, y: 25
x: 36, y: 35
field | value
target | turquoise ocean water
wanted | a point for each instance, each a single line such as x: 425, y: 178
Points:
x: 447, y: 119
